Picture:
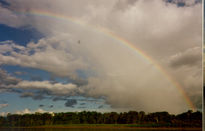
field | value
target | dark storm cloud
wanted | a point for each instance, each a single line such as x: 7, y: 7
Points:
x: 39, y: 97
x: 41, y: 105
x: 182, y: 3
x: 186, y: 60
x: 70, y: 102
x: 67, y: 98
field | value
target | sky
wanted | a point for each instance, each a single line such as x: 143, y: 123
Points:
x: 117, y: 55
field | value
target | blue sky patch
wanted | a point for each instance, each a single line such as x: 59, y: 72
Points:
x: 20, y: 36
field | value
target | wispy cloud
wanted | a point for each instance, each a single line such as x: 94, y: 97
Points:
x: 3, y: 105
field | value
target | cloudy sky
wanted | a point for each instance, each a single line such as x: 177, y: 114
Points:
x: 72, y: 55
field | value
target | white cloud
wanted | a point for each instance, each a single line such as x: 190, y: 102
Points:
x: 4, y: 114
x: 54, y: 88
x: 28, y: 111
x: 3, y: 105
x: 48, y: 54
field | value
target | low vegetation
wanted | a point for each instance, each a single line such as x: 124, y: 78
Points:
x: 129, y: 119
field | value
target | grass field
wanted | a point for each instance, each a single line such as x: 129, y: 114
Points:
x: 110, y: 126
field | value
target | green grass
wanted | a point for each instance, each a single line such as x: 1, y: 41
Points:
x: 105, y: 125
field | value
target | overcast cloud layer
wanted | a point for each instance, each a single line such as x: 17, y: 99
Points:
x: 169, y: 34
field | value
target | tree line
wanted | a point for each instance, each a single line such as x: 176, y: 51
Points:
x: 186, y: 119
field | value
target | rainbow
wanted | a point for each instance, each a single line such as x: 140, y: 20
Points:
x: 121, y: 40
